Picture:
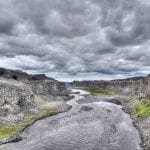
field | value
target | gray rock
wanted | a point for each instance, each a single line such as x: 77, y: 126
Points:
x: 86, y: 108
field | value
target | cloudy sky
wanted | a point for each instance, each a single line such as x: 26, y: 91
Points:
x: 76, y: 39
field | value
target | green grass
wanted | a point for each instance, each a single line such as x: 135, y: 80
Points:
x: 99, y: 91
x: 143, y: 110
x: 102, y: 92
x: 8, y: 131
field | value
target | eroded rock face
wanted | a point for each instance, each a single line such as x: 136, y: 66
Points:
x: 47, y: 87
x: 39, y: 77
x: 38, y: 83
x: 136, y: 85
x: 14, y: 96
x: 13, y: 74
x: 20, y: 75
x: 18, y: 91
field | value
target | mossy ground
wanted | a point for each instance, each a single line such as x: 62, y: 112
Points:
x: 8, y: 131
x: 103, y: 92
x: 143, y: 110
x: 100, y: 91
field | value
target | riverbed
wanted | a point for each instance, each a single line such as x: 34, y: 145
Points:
x: 89, y: 125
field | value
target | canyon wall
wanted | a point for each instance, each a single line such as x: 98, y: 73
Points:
x: 14, y: 97
x: 137, y: 85
x: 47, y: 87
x: 18, y: 91
x: 38, y: 83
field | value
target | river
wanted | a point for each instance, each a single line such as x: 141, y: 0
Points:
x: 89, y: 125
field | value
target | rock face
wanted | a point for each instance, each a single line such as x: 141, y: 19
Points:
x: 13, y: 74
x: 39, y: 77
x: 15, y: 97
x: 46, y: 87
x: 39, y: 83
x: 19, y: 75
x: 18, y: 91
x: 135, y: 84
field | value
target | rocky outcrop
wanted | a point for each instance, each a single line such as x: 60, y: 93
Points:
x: 39, y: 77
x: 15, y: 94
x: 19, y: 89
x: 39, y: 83
x: 13, y: 74
x: 47, y: 87
x: 117, y: 84
x: 21, y: 76
x: 14, y: 98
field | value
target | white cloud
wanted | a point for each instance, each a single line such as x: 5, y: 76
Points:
x: 76, y: 39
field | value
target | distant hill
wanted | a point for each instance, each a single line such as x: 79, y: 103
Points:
x: 20, y: 75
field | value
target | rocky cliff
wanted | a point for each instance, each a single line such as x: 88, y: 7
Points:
x: 18, y: 92
x: 14, y: 97
x: 38, y: 83
x: 21, y: 76
x: 136, y: 85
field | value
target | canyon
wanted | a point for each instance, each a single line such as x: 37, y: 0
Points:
x: 135, y: 85
x: 27, y: 98
x: 91, y: 124
x: 135, y: 100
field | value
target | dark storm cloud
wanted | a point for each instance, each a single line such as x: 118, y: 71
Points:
x: 133, y: 27
x: 57, y: 18
x: 7, y: 18
x: 105, y: 38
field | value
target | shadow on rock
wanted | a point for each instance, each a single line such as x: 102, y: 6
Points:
x: 115, y: 101
x: 86, y: 108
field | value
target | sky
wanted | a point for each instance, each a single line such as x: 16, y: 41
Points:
x: 76, y: 39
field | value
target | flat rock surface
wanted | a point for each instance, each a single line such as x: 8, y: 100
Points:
x: 87, y: 126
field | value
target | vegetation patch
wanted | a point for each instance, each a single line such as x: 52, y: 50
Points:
x: 143, y: 110
x: 134, y: 98
x: 100, y: 91
x: 9, y: 131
